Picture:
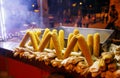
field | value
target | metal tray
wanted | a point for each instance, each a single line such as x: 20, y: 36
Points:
x: 104, y: 33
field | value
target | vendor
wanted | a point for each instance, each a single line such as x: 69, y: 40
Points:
x: 113, y: 17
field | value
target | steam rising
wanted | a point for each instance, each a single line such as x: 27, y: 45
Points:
x: 17, y: 14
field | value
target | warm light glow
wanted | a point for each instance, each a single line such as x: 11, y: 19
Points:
x: 90, y: 6
x: 80, y: 3
x: 74, y: 4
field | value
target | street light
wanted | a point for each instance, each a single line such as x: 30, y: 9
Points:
x: 80, y: 3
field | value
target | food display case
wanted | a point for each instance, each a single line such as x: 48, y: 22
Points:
x: 39, y: 40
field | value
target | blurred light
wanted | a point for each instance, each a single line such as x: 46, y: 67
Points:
x: 74, y: 4
x: 33, y: 5
x: 2, y: 20
x: 81, y: 3
x: 90, y: 6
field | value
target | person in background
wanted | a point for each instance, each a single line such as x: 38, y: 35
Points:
x: 113, y: 17
x: 78, y: 22
x: 86, y: 20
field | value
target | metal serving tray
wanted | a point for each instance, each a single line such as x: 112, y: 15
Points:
x: 104, y: 33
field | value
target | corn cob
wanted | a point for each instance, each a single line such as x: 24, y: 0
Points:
x: 56, y: 45
x: 69, y: 38
x: 61, y: 39
x: 24, y: 40
x: 45, y: 33
x: 51, y: 45
x: 90, y: 42
x: 45, y: 41
x: 96, y: 44
x: 75, y: 32
x: 37, y: 37
x: 85, y: 49
x: 70, y: 46
x: 33, y: 40
x: 38, y: 31
x: 37, y: 34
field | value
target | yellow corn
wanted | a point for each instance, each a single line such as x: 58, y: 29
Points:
x: 56, y: 45
x: 69, y: 38
x: 90, y: 42
x: 85, y: 49
x: 51, y: 45
x: 33, y: 40
x: 45, y: 41
x: 76, y: 31
x: 37, y: 38
x: 37, y: 34
x: 45, y: 33
x: 96, y: 44
x: 70, y: 46
x: 61, y: 39
x: 24, y: 40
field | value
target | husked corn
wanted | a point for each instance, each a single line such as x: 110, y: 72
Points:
x: 75, y: 32
x: 57, y: 45
x: 61, y: 39
x: 33, y: 40
x: 45, y: 33
x: 70, y: 46
x: 37, y: 34
x: 85, y: 49
x: 69, y: 38
x: 45, y: 41
x: 24, y: 40
x: 96, y: 44
x: 90, y: 42
x: 51, y: 45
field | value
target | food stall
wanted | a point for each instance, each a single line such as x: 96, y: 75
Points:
x: 33, y: 49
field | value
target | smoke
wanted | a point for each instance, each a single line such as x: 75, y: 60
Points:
x: 18, y: 13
